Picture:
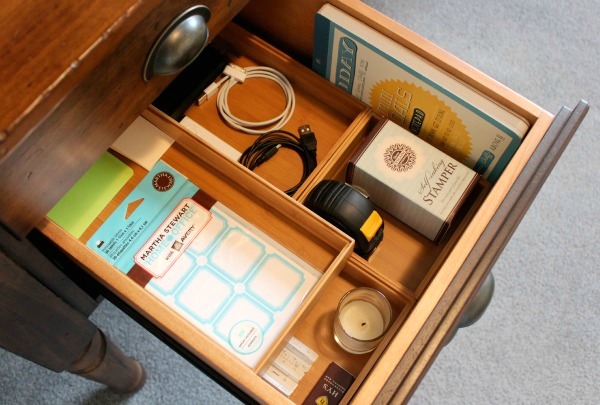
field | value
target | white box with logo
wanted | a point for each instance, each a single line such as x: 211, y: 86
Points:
x: 410, y: 179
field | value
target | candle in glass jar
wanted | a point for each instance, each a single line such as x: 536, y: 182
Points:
x: 363, y: 316
x: 362, y: 320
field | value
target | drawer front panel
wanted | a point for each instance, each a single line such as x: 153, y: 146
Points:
x: 46, y: 164
x: 407, y: 372
x: 48, y: 48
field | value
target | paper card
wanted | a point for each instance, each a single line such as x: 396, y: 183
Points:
x: 202, y: 133
x: 143, y: 143
x: 90, y: 195
x: 139, y: 215
x: 172, y: 237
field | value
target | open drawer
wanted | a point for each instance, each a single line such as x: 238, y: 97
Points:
x: 428, y: 284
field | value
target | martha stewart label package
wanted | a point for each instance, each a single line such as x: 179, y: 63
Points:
x: 415, y: 94
x: 410, y: 179
x: 216, y: 270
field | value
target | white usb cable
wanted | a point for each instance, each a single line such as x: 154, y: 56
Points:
x: 235, y: 74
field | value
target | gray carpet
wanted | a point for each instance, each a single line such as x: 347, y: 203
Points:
x: 539, y: 342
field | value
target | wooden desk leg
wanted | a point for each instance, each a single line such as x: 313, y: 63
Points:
x: 105, y: 363
x: 39, y: 326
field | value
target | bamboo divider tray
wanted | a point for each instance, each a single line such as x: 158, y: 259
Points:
x: 405, y: 257
x: 412, y: 271
x: 253, y: 199
x: 406, y: 263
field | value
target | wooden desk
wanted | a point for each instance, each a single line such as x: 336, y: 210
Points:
x: 90, y: 90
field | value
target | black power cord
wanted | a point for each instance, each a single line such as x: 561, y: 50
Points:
x: 267, y: 145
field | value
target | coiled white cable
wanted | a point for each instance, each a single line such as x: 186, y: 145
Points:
x: 234, y: 75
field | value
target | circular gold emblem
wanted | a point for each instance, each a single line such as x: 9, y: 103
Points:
x: 400, y: 157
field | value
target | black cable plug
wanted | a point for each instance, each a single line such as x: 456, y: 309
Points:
x: 266, y: 145
x: 308, y: 138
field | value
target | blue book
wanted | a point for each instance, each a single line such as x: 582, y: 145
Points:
x: 417, y: 95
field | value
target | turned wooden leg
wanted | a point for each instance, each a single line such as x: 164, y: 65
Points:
x: 105, y: 363
x: 38, y: 325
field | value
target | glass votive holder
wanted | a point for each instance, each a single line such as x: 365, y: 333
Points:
x: 363, y: 317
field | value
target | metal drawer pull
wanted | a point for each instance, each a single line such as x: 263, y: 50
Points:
x: 477, y: 306
x: 179, y: 44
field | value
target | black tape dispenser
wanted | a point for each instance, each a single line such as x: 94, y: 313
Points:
x: 350, y: 211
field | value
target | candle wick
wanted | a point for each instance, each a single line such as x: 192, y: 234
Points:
x: 363, y: 324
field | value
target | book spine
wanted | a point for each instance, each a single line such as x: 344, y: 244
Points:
x: 321, y: 51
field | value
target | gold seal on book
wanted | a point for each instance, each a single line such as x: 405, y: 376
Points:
x: 423, y: 114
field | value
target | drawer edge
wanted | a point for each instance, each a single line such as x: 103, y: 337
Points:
x: 423, y: 350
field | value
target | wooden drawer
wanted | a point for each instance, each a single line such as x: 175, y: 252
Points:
x: 428, y: 284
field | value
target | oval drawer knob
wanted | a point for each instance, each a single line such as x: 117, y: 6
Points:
x: 179, y: 44
x: 477, y: 306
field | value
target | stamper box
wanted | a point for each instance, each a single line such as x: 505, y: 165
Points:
x: 410, y: 179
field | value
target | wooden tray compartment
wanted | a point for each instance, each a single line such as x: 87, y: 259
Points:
x: 318, y: 326
x: 404, y: 256
x: 341, y: 124
x: 255, y: 200
x: 329, y: 111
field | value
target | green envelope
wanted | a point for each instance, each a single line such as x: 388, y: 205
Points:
x: 92, y: 192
